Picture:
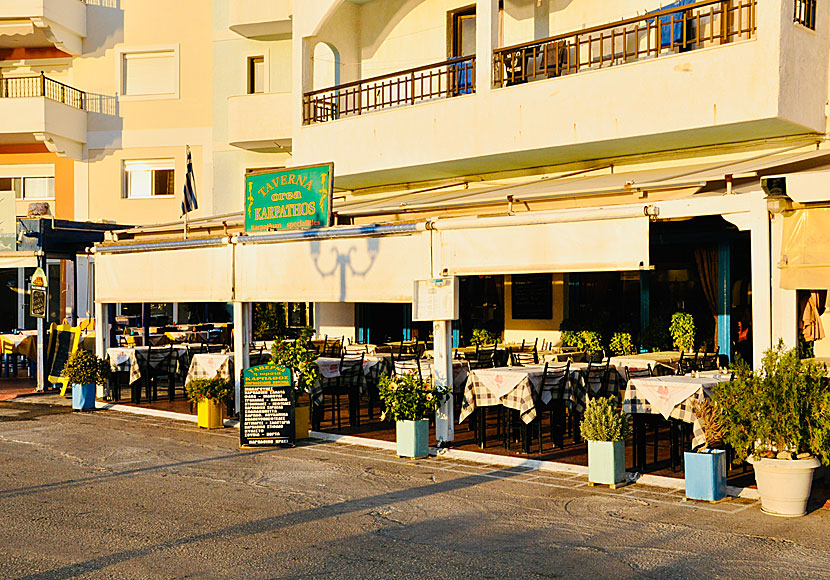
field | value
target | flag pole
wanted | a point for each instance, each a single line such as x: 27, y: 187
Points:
x: 185, y: 225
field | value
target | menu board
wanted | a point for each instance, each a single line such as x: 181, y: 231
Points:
x: 267, y: 409
x: 435, y: 299
x: 532, y: 296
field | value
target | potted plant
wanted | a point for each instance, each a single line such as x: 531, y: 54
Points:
x: 705, y: 468
x: 483, y: 337
x: 682, y: 330
x: 209, y: 396
x: 605, y: 428
x: 779, y: 419
x: 409, y: 402
x: 621, y: 344
x: 300, y: 356
x: 84, y: 371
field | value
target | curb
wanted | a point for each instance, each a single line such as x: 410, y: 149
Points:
x: 472, y: 456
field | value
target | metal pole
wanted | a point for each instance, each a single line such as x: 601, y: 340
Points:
x: 41, y: 337
x: 145, y: 322
x: 442, y: 377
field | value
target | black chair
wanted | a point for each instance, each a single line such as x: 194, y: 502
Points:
x: 596, y: 357
x: 554, y: 382
x: 687, y: 364
x: 333, y: 348
x: 373, y: 387
x: 164, y: 370
x: 356, y: 349
x: 523, y: 358
x: 404, y: 367
x: 708, y: 361
x: 483, y: 358
x: 346, y: 383
x: 596, y: 379
x: 527, y: 347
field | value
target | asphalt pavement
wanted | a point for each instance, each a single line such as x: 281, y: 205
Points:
x: 112, y: 495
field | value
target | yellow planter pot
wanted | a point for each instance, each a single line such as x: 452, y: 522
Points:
x: 210, y: 414
x: 301, y: 417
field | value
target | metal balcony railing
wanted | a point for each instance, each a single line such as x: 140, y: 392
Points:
x: 442, y: 80
x: 659, y: 33
x: 804, y: 13
x: 42, y: 86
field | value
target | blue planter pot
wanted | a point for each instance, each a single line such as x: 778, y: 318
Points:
x: 412, y: 438
x: 606, y: 462
x: 83, y: 397
x: 705, y: 474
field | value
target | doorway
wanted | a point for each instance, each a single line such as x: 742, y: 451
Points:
x: 461, y: 46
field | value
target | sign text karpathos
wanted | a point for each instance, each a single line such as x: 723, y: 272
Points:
x: 296, y: 198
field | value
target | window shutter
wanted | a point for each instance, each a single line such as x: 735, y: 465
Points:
x: 149, y: 73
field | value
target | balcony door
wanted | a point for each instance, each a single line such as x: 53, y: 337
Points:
x: 461, y: 25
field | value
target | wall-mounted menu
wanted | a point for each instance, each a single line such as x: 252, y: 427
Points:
x: 267, y: 409
x: 532, y: 296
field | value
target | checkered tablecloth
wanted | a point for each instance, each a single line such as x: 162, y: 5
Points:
x: 517, y: 388
x: 133, y: 358
x: 634, y: 402
x: 208, y: 366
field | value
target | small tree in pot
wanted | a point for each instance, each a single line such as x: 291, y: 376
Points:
x: 682, y: 330
x: 84, y: 371
x: 606, y: 429
x: 409, y: 402
x: 705, y: 468
x: 209, y: 395
x: 779, y: 419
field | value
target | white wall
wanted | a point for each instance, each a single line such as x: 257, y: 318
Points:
x: 335, y: 319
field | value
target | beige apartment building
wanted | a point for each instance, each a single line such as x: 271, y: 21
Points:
x: 610, y: 158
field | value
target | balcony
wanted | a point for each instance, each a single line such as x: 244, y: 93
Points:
x: 709, y: 74
x: 60, y: 24
x: 658, y: 34
x: 260, y: 122
x: 257, y: 19
x: 432, y: 82
x: 37, y: 109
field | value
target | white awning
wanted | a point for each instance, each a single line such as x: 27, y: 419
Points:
x: 18, y: 260
x: 359, y: 269
x: 805, y: 250
x: 177, y: 275
x: 566, y: 246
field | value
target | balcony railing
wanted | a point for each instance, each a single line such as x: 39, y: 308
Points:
x: 804, y: 13
x: 42, y: 86
x: 443, y: 80
x: 659, y: 33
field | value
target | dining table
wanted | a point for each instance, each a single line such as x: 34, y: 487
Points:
x: 210, y: 365
x: 132, y: 358
x: 672, y: 397
x: 329, y: 368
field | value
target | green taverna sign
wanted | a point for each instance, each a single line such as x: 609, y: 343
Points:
x: 289, y: 199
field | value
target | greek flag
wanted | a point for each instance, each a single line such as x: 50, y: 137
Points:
x: 189, y: 204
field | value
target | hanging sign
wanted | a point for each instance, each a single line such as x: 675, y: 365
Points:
x: 38, y: 294
x: 39, y: 278
x: 290, y: 199
x: 266, y: 407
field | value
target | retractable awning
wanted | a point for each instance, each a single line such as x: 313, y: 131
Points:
x: 195, y: 274
x: 18, y: 260
x: 805, y: 250
x: 353, y: 269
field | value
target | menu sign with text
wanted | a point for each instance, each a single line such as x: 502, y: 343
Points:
x: 435, y: 299
x: 267, y: 408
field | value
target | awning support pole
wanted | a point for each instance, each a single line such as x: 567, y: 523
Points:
x: 241, y: 358
x: 442, y: 377
x: 41, y: 338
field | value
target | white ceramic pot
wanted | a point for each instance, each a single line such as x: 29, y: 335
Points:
x: 784, y: 484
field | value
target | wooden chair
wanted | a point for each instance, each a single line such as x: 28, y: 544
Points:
x: 527, y: 347
x: 403, y: 367
x: 356, y: 349
x: 708, y: 362
x: 372, y: 387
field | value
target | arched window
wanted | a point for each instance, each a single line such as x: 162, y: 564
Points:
x: 326, y: 66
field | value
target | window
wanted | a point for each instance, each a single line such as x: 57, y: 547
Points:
x: 805, y: 13
x: 146, y: 179
x: 29, y: 187
x: 256, y: 75
x: 150, y: 73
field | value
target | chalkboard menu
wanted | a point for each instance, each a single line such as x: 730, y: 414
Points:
x: 532, y: 296
x: 37, y: 302
x: 61, y: 342
x: 267, y: 409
